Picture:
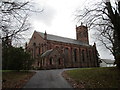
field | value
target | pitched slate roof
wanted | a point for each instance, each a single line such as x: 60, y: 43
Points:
x: 108, y: 61
x: 47, y: 53
x: 63, y: 39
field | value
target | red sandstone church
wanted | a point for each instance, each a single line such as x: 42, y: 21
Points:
x: 51, y: 51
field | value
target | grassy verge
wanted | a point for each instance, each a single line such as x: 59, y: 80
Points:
x: 15, y: 79
x: 94, y: 77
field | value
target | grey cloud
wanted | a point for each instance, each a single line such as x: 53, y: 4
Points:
x: 46, y: 16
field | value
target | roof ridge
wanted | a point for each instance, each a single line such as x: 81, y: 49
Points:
x: 58, y: 36
x: 63, y: 39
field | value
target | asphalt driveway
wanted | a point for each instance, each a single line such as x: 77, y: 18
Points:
x: 48, y: 79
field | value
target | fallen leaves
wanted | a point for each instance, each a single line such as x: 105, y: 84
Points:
x: 9, y: 83
x: 72, y: 82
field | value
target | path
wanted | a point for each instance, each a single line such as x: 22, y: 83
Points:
x: 48, y: 79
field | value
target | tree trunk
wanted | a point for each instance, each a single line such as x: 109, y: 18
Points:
x: 115, y: 20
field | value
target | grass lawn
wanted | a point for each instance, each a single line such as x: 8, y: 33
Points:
x: 107, y: 77
x: 15, y: 79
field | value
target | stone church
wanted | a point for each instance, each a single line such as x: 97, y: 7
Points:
x: 51, y: 51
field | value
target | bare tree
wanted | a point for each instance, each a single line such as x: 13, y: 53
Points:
x: 104, y: 17
x: 14, y: 23
x: 14, y: 19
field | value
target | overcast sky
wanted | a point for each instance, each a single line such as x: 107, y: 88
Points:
x: 58, y: 18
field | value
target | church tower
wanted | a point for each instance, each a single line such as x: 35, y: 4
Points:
x: 82, y: 33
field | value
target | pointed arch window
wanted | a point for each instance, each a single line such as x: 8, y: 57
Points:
x: 39, y: 49
x: 75, y: 55
x: 34, y: 44
x: 66, y: 53
x: 59, y: 61
x: 83, y: 56
x: 90, y: 55
x: 51, y: 60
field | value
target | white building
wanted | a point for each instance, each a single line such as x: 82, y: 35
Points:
x: 107, y: 63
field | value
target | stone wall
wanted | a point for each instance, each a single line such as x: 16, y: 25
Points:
x: 73, y: 55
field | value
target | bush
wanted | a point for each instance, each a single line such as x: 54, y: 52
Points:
x: 16, y: 59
